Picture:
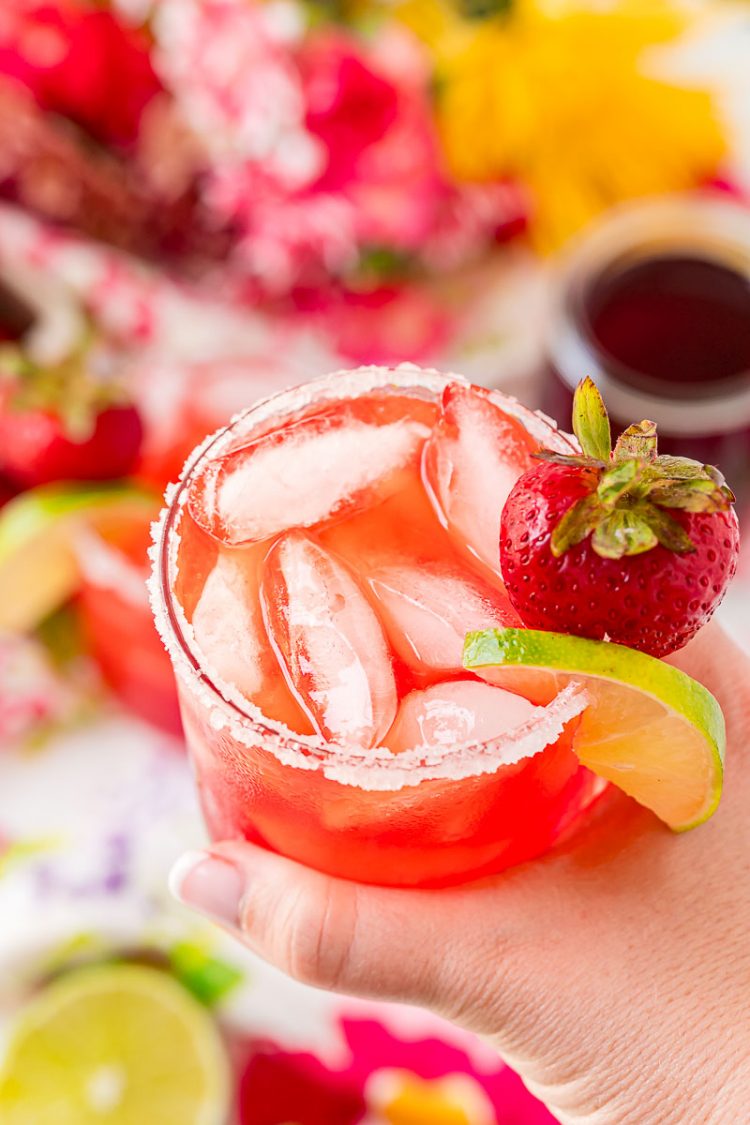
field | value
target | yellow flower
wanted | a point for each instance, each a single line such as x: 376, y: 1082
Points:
x: 399, y: 1097
x: 558, y: 94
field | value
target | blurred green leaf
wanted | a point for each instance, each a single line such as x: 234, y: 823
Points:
x: 208, y: 978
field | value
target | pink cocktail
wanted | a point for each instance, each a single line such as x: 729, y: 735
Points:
x: 117, y: 624
x: 317, y: 569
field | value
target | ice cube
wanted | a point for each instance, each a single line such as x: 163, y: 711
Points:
x: 474, y: 456
x: 456, y: 712
x: 196, y: 558
x: 231, y: 638
x: 428, y: 609
x: 307, y: 472
x: 329, y: 640
x: 228, y: 627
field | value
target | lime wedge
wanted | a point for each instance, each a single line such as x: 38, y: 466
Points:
x: 123, y: 1044
x: 650, y: 729
x: 38, y: 569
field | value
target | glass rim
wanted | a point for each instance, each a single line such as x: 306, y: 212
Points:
x: 712, y: 227
x: 376, y: 768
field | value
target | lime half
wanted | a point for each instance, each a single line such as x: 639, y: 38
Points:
x: 650, y: 729
x: 121, y: 1044
x: 38, y: 569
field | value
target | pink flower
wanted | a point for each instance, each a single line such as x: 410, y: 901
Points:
x: 79, y: 62
x: 374, y: 1050
x: 31, y: 696
x: 277, y: 1087
x: 371, y: 109
x: 387, y: 1080
x: 230, y: 66
x: 385, y: 324
x: 285, y: 153
x: 284, y: 238
x: 349, y: 106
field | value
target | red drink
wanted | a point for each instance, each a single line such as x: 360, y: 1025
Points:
x: 655, y: 306
x: 118, y: 623
x: 318, y: 567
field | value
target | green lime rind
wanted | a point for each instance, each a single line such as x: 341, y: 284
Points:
x: 573, y: 656
x: 32, y: 513
x: 38, y: 566
x: 561, y: 652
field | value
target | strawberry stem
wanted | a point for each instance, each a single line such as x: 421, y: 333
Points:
x: 627, y: 511
x: 76, y: 388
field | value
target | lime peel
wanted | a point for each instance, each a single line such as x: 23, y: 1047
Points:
x: 650, y: 729
x: 38, y: 567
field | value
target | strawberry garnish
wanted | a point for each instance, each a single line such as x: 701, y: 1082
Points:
x: 64, y: 421
x: 620, y: 543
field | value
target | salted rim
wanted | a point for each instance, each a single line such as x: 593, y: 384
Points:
x: 228, y: 710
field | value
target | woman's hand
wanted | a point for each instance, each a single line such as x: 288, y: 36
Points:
x: 613, y: 974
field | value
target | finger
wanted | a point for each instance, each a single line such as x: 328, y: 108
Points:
x: 334, y: 934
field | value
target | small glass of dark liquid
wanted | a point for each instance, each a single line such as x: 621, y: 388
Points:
x: 654, y: 304
x: 16, y: 318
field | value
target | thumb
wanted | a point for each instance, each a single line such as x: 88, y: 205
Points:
x: 331, y: 933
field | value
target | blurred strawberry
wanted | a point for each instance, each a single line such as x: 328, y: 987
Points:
x: 7, y: 491
x: 61, y: 422
x: 80, y: 62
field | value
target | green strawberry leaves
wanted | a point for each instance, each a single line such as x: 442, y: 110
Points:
x: 623, y: 532
x: 668, y: 531
x: 576, y: 525
x: 591, y: 421
x: 639, y: 440
x: 689, y: 496
x: 208, y: 978
x: 76, y: 388
x: 617, y: 481
x: 628, y: 510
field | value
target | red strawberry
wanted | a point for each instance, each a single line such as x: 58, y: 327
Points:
x: 61, y: 423
x: 626, y: 544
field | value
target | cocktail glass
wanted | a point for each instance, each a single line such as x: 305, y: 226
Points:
x: 373, y: 498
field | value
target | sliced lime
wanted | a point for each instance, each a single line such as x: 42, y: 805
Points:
x: 650, y: 729
x: 38, y: 569
x: 123, y: 1044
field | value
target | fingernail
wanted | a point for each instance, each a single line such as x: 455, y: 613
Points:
x: 210, y: 884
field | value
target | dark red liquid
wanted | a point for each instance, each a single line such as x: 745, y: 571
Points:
x: 675, y: 320
x: 15, y: 316
x: 677, y: 328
